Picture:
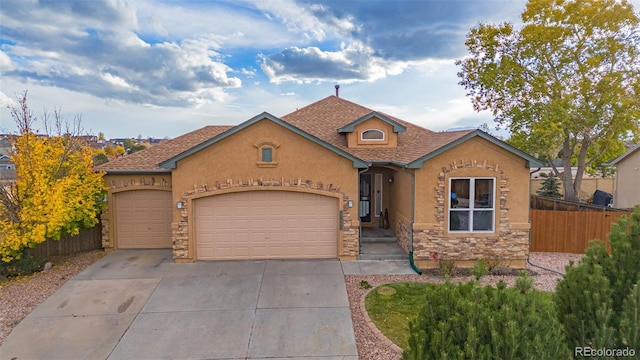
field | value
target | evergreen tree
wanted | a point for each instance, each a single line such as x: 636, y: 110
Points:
x: 550, y: 187
x: 597, y: 301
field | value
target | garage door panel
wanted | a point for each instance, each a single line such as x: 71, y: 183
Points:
x: 266, y: 224
x: 143, y: 219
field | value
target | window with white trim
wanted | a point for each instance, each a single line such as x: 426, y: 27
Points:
x: 472, y: 204
x: 372, y: 134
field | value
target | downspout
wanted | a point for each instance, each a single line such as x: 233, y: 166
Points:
x: 359, y: 222
x: 529, y: 252
x: 413, y: 209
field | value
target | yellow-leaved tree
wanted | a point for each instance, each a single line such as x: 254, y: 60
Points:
x: 56, y: 191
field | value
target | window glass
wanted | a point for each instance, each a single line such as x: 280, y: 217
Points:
x: 267, y: 154
x: 372, y: 135
x: 483, y: 193
x: 471, y: 204
x: 460, y: 193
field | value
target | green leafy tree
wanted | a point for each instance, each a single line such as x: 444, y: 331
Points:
x: 566, y: 84
x: 597, y: 300
x: 132, y: 146
x: 56, y: 191
x: 550, y: 187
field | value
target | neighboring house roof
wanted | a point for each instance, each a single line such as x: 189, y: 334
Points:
x: 147, y: 160
x: 323, y: 122
x: 635, y: 148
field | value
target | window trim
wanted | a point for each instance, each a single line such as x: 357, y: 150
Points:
x: 384, y: 135
x: 271, y: 144
x: 470, y: 210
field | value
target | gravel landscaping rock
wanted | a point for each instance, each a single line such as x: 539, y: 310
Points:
x: 20, y: 295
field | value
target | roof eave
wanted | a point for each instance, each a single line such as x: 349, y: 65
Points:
x: 623, y: 156
x: 530, y: 161
x: 172, y: 162
x: 137, y: 172
x: 397, y: 127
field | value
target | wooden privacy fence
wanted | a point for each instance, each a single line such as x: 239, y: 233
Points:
x: 570, y: 231
x: 87, y: 239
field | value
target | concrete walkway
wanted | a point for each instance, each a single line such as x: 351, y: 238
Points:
x: 139, y: 304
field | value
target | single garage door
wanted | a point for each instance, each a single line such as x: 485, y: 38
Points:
x: 143, y: 219
x: 266, y: 225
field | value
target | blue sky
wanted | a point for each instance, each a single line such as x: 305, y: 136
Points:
x: 163, y: 68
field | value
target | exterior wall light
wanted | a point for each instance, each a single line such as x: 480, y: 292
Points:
x: 179, y: 204
x: 350, y: 203
x: 390, y: 179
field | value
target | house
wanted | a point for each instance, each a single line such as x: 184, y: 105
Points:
x: 304, y: 185
x: 627, y: 188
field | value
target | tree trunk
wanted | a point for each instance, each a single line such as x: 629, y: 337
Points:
x: 567, y: 178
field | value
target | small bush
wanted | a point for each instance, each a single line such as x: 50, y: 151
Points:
x: 446, y: 268
x: 500, y: 270
x: 479, y: 269
x: 25, y: 266
x: 365, y: 284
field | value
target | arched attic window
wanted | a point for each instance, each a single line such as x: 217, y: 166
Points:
x: 372, y: 135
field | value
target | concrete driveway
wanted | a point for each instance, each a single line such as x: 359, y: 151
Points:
x: 139, y: 304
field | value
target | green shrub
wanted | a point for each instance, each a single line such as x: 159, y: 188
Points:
x: 467, y: 321
x: 595, y: 298
x: 479, y: 269
x: 446, y: 268
x: 24, y: 266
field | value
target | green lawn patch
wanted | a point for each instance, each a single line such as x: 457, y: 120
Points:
x: 392, y: 306
x: 391, y: 312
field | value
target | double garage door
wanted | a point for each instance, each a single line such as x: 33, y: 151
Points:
x: 266, y: 225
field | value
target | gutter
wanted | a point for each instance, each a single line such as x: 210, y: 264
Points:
x: 413, y: 209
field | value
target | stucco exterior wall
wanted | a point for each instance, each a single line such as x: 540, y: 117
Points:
x: 233, y: 163
x: 474, y: 158
x: 627, y: 193
x: 400, y: 192
x: 129, y: 182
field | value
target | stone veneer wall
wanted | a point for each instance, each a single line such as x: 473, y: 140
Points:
x: 403, y: 231
x: 134, y: 183
x: 509, y: 244
x: 350, y: 233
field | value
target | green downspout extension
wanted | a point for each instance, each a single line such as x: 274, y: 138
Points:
x: 413, y: 209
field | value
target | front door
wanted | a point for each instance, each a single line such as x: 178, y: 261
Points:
x: 365, y: 198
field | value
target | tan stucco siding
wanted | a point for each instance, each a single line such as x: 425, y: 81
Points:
x: 235, y: 158
x: 233, y: 164
x: 474, y: 158
x: 627, y: 193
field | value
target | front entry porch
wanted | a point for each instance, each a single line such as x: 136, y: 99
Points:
x: 380, y: 244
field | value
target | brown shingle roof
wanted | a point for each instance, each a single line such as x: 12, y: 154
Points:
x: 323, y: 119
x: 148, y: 159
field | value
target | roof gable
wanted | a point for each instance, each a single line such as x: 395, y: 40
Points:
x: 633, y: 149
x: 397, y: 127
x: 171, y: 163
x: 531, y: 161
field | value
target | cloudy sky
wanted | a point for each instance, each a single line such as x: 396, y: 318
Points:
x: 163, y: 68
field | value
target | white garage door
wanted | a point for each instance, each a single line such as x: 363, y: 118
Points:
x: 143, y: 219
x: 266, y: 225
